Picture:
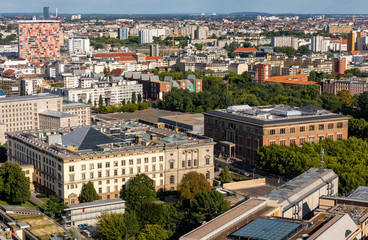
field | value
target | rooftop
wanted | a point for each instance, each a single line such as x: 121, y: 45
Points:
x: 29, y: 98
x: 57, y: 114
x: 74, y: 105
x: 275, y: 114
x: 94, y: 204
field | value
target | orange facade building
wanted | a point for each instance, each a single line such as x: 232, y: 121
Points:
x: 38, y: 40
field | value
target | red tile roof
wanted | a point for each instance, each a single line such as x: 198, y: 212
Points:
x: 295, y: 77
x: 117, y: 72
x: 8, y: 73
x: 153, y: 58
x: 245, y: 50
x: 125, y: 59
x: 113, y: 55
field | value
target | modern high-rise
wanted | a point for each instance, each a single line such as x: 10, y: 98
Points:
x: 339, y: 65
x: 284, y: 42
x: 351, y: 40
x: 78, y: 45
x: 263, y: 72
x: 145, y: 36
x: 154, y: 50
x: 123, y: 33
x: 38, y: 39
x: 318, y: 44
x: 201, y: 33
x: 46, y: 13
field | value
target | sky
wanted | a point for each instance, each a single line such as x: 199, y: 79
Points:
x: 187, y: 6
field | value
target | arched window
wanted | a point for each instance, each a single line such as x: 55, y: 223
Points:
x: 208, y: 175
x: 195, y: 162
x: 207, y: 160
x: 172, y: 180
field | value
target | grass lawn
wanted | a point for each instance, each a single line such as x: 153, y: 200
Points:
x: 26, y: 204
x: 44, y: 199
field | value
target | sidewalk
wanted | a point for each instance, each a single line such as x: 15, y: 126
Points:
x: 36, y: 200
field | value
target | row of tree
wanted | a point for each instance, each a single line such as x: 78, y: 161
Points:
x: 146, y: 219
x: 134, y: 105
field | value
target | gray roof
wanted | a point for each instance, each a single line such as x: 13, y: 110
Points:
x: 360, y: 193
x: 57, y: 114
x: 262, y: 122
x: 94, y: 204
x: 72, y: 105
x: 85, y: 138
x: 29, y: 98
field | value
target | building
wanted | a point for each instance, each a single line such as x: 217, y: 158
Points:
x: 193, y: 123
x: 352, y: 40
x: 53, y: 119
x: 284, y: 42
x: 263, y: 72
x: 145, y: 36
x: 82, y: 110
x: 154, y: 50
x: 201, y: 33
x: 10, y: 87
x: 319, y: 44
x: 87, y: 213
x: 46, y: 13
x: 339, y: 65
x: 240, y: 130
x: 78, y: 45
x: 123, y: 33
x: 66, y: 159
x: 292, y: 80
x: 38, y: 39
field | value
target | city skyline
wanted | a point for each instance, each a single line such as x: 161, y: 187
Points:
x: 190, y: 6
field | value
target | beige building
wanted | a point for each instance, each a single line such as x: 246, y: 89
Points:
x: 54, y: 119
x: 65, y: 160
x: 82, y: 110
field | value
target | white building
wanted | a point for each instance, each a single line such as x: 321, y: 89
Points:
x: 319, y: 44
x: 70, y: 81
x: 145, y: 36
x: 284, y: 42
x: 78, y: 45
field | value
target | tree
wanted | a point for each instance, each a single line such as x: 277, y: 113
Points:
x: 193, y: 183
x: 88, y: 193
x: 53, y: 207
x: 139, y: 97
x: 152, y: 232
x: 14, y: 185
x: 73, y: 233
x: 225, y: 176
x: 117, y: 226
x: 134, y: 97
x: 3, y: 153
x: 303, y: 50
x: 140, y: 189
x: 100, y: 101
x: 89, y: 101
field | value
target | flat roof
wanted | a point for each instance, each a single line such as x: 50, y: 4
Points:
x: 29, y: 98
x: 361, y: 193
x: 38, y: 21
x: 56, y: 114
x: 227, y: 217
x: 191, y: 119
x: 74, y: 105
x: 94, y: 204
x: 268, y: 229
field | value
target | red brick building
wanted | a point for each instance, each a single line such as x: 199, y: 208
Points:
x: 240, y: 130
x: 339, y: 65
x: 263, y: 72
x: 38, y: 40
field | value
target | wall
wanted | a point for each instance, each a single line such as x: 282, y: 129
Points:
x: 244, y: 184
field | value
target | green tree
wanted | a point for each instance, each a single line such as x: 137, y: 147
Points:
x: 3, y: 153
x: 14, y: 185
x: 117, y: 226
x: 53, y: 207
x: 100, y: 101
x: 88, y: 193
x: 193, y: 183
x: 152, y: 232
x: 73, y: 233
x: 89, y: 101
x: 225, y: 176
x: 140, y: 189
x: 139, y: 97
x: 134, y: 97
x: 303, y: 49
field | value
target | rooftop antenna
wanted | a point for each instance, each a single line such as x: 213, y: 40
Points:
x: 322, y: 153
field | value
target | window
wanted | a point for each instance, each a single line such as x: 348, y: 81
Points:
x: 161, y: 158
x: 301, y: 141
x: 108, y: 189
x: 91, y: 166
x: 145, y: 160
x: 282, y: 142
x: 320, y: 138
x: 330, y: 136
x: 146, y: 168
x: 208, y: 175
x: 171, y: 165
x: 123, y: 163
x: 99, y: 174
x: 131, y: 170
x: 282, y: 131
x: 183, y: 164
x: 115, y: 172
x: 292, y: 141
x: 138, y: 161
x: 71, y: 168
x: 83, y: 167
x: 311, y: 128
x: 248, y: 142
x: 99, y: 182
x: 321, y: 127
x: 302, y: 129
x: 115, y: 163
x: 330, y: 126
x: 107, y: 173
x: 107, y: 164
x: 123, y: 171
x: 107, y: 181
x: 71, y: 177
x: 292, y: 130
x: 131, y: 161
x: 153, y: 167
x: 339, y: 136
x: 255, y: 143
x: 100, y: 190
x: 83, y: 176
x: 311, y: 139
x: 207, y: 160
x: 153, y: 159
x: 99, y: 165
x: 172, y: 179
x: 139, y: 169
x: 339, y: 125
x: 272, y: 142
x: 272, y: 132
x: 91, y: 175
x: 195, y: 162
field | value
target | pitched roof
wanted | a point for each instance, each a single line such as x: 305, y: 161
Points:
x: 117, y: 72
x: 125, y: 59
x: 246, y: 50
x: 114, y: 55
x: 86, y: 137
x: 154, y: 58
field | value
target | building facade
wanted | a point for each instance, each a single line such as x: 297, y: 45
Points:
x: 240, y: 130
x: 38, y: 40
x: 263, y: 72
x: 123, y: 33
x: 78, y: 45
x: 83, y: 111
x: 145, y: 36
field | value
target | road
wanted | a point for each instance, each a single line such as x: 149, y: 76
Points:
x: 272, y: 181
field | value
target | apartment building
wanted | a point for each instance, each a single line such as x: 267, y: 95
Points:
x: 81, y: 110
x: 263, y: 72
x: 285, y: 42
x: 240, y: 130
x: 66, y: 159
x: 38, y: 39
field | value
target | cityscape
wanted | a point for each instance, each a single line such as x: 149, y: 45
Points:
x: 194, y: 124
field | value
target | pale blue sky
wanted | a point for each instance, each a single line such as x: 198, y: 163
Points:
x: 187, y: 6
